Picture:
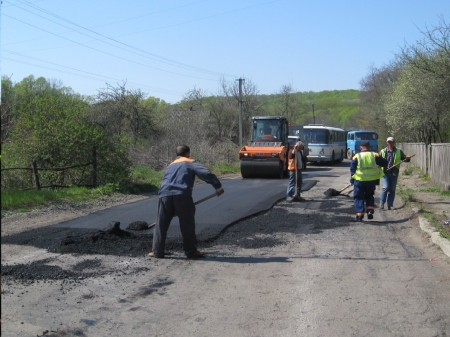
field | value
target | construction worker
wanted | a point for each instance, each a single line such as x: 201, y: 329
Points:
x: 267, y: 132
x: 394, y: 157
x: 365, y: 170
x: 295, y: 173
x: 175, y: 198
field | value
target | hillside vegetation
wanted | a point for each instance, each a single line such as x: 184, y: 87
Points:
x: 108, y: 135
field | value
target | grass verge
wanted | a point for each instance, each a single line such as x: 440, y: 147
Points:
x: 410, y: 196
x: 143, y: 180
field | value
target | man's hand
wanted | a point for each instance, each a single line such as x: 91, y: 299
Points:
x: 352, y: 181
x: 219, y: 191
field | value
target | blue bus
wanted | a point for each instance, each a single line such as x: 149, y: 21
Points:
x: 326, y: 143
x: 355, y: 137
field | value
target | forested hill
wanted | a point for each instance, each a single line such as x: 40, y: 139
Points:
x: 335, y: 108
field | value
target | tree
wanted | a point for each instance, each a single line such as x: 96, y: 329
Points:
x: 289, y: 104
x: 123, y: 112
x: 429, y: 64
x: 54, y: 131
x: 418, y: 107
x: 375, y: 87
x: 8, y: 116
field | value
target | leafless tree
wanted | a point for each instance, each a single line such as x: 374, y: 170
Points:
x: 121, y: 111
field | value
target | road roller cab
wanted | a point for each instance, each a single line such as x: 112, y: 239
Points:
x: 265, y: 155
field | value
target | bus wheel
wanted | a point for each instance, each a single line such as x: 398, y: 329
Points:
x: 349, y: 154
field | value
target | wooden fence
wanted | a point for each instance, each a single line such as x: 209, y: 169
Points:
x: 433, y: 159
x: 35, y: 170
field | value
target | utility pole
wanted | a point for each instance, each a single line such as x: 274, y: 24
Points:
x: 314, y: 117
x: 240, y: 110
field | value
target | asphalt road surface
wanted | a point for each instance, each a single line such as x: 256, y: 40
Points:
x: 297, y: 269
x: 242, y: 198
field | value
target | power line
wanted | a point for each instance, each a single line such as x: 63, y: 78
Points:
x: 103, y: 52
x: 174, y: 93
x: 155, y: 56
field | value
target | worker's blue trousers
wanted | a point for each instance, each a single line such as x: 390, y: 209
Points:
x: 168, y: 207
x: 290, y: 191
x: 389, y: 186
x: 363, y: 193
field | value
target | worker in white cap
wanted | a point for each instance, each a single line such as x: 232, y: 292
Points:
x: 394, y: 157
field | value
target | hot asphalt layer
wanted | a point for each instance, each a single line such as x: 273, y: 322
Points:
x: 242, y: 198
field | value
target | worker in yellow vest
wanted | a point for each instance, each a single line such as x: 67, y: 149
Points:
x: 394, y: 157
x: 366, y: 170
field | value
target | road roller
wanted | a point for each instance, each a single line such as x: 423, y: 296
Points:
x: 265, y: 155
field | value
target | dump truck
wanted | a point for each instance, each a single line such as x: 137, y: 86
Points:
x: 265, y: 155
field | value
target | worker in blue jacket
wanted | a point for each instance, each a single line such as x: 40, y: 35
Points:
x: 175, y: 198
x: 366, y: 170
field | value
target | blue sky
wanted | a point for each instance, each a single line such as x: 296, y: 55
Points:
x: 168, y: 47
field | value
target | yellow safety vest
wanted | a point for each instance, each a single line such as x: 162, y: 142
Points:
x: 367, y: 169
x: 397, y: 156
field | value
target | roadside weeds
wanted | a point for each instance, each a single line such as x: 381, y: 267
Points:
x: 428, y: 202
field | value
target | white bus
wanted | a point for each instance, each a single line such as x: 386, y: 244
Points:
x: 326, y: 143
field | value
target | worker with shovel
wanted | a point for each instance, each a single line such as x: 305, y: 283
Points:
x: 175, y: 199
x: 366, y: 170
x: 394, y: 157
x: 295, y: 173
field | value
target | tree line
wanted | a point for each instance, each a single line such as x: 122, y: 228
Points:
x: 46, y: 122
x: 410, y: 95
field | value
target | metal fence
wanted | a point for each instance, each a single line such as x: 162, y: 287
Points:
x: 433, y: 159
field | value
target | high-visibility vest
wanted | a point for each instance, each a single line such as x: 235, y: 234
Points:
x: 397, y: 156
x: 367, y: 169
x: 291, y: 162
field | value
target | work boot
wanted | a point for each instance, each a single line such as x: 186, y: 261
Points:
x: 370, y: 214
x: 359, y: 218
x: 289, y: 199
x: 382, y: 206
x: 390, y: 208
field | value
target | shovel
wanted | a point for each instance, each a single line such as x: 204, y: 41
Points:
x: 195, y: 203
x: 398, y: 163
x: 331, y: 192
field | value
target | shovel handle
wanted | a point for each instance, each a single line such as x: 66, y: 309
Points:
x: 345, y: 188
x: 195, y: 203
x: 399, y: 163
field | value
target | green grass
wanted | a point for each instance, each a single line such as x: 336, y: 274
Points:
x: 24, y: 200
x: 436, y: 220
x: 143, y: 180
x: 407, y: 195
x: 408, y: 171
x: 431, y: 189
x: 225, y: 168
x: 445, y: 193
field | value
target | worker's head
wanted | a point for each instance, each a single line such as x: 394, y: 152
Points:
x: 267, y: 130
x: 364, y: 146
x: 390, y: 141
x: 183, y: 151
x: 298, y: 146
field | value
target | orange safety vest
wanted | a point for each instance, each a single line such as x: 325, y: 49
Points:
x: 291, y: 163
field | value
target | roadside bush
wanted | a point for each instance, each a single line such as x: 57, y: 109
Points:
x: 55, y: 132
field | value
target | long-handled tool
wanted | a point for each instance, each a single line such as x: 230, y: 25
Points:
x: 195, y: 203
x: 296, y: 175
x: 331, y: 192
x: 399, y: 163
